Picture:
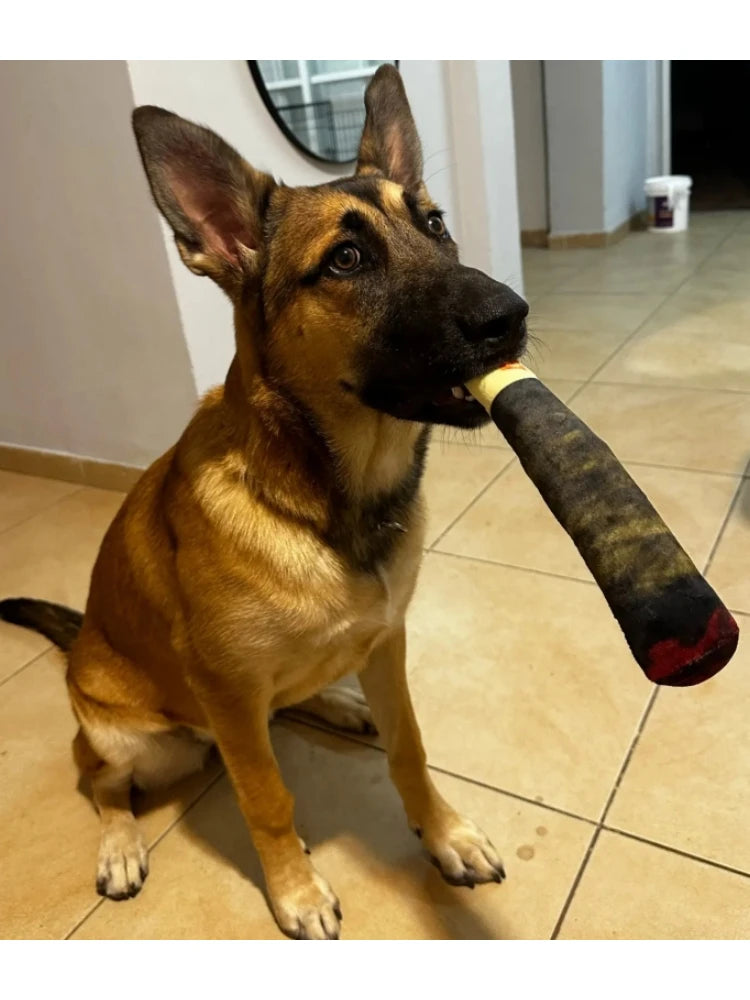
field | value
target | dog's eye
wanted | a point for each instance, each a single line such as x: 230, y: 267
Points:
x: 345, y: 258
x: 435, y: 224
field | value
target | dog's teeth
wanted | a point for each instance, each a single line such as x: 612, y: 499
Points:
x: 458, y: 391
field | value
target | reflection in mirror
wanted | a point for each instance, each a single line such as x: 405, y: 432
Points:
x: 318, y: 103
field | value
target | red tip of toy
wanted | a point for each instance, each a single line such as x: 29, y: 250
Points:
x: 671, y: 662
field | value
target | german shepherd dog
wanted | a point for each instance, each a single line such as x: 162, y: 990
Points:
x: 275, y: 548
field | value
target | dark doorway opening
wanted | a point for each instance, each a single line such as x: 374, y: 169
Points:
x: 711, y: 131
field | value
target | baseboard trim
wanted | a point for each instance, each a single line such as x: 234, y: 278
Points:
x: 577, y: 241
x: 69, y: 468
x: 534, y: 237
x: 571, y: 241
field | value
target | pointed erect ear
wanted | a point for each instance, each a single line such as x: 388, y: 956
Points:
x: 390, y: 144
x: 213, y: 200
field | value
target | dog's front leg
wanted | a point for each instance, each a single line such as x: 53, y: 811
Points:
x: 462, y: 852
x: 303, y: 903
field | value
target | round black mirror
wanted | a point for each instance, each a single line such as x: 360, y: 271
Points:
x: 317, y: 103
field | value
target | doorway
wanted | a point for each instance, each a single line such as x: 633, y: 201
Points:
x: 710, y: 131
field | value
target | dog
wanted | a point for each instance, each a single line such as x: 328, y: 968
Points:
x: 275, y: 548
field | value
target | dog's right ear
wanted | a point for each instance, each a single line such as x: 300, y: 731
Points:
x: 213, y: 200
x: 390, y: 144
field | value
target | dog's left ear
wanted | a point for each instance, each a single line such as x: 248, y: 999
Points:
x: 390, y: 144
x: 214, y: 200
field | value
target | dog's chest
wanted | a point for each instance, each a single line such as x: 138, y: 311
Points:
x: 348, y: 622
x: 374, y: 601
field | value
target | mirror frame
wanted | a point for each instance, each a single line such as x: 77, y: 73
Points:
x: 282, y: 125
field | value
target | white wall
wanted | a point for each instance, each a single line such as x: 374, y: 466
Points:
x: 531, y: 147
x: 481, y: 117
x: 658, y: 118
x: 93, y: 358
x: 573, y: 92
x: 626, y: 129
x: 499, y: 160
x: 602, y: 119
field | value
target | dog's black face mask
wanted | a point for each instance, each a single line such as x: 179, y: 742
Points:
x: 428, y: 324
x: 444, y: 327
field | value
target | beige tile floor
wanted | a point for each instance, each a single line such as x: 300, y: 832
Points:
x: 621, y: 811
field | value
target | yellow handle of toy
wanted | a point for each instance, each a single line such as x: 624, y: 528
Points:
x: 486, y: 388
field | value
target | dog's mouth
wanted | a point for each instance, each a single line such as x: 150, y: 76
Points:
x: 457, y: 395
x: 456, y: 400
x: 442, y: 400
x: 455, y: 407
x: 454, y: 404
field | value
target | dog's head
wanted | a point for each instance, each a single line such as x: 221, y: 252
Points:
x: 357, y: 283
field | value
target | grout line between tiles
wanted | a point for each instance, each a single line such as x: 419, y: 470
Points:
x: 667, y: 385
x: 563, y: 576
x: 576, y: 882
x: 90, y: 912
x: 154, y: 843
x: 724, y: 523
x: 685, y: 468
x: 649, y: 465
x: 596, y: 291
x: 630, y: 336
x: 666, y: 298
x: 511, y: 461
x: 642, y: 840
x: 511, y: 795
x: 504, y: 565
x: 178, y: 819
x: 676, y: 850
x: 628, y: 756
x: 580, y: 268
x: 43, y: 510
x: 603, y: 816
x: 28, y: 663
x: 360, y: 741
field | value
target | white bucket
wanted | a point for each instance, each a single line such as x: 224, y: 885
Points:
x: 668, y: 203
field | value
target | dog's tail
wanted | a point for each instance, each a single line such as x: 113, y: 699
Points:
x: 59, y: 624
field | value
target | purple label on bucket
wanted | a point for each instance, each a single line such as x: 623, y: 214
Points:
x: 659, y: 213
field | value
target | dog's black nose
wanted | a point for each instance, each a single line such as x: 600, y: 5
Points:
x: 507, y: 324
x: 490, y: 311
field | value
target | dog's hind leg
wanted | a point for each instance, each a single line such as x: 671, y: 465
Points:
x: 341, y: 707
x: 134, y: 759
x: 122, y: 864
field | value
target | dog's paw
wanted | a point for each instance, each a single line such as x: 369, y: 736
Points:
x: 123, y: 862
x: 309, y: 911
x: 346, y: 708
x: 340, y: 707
x: 462, y: 852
